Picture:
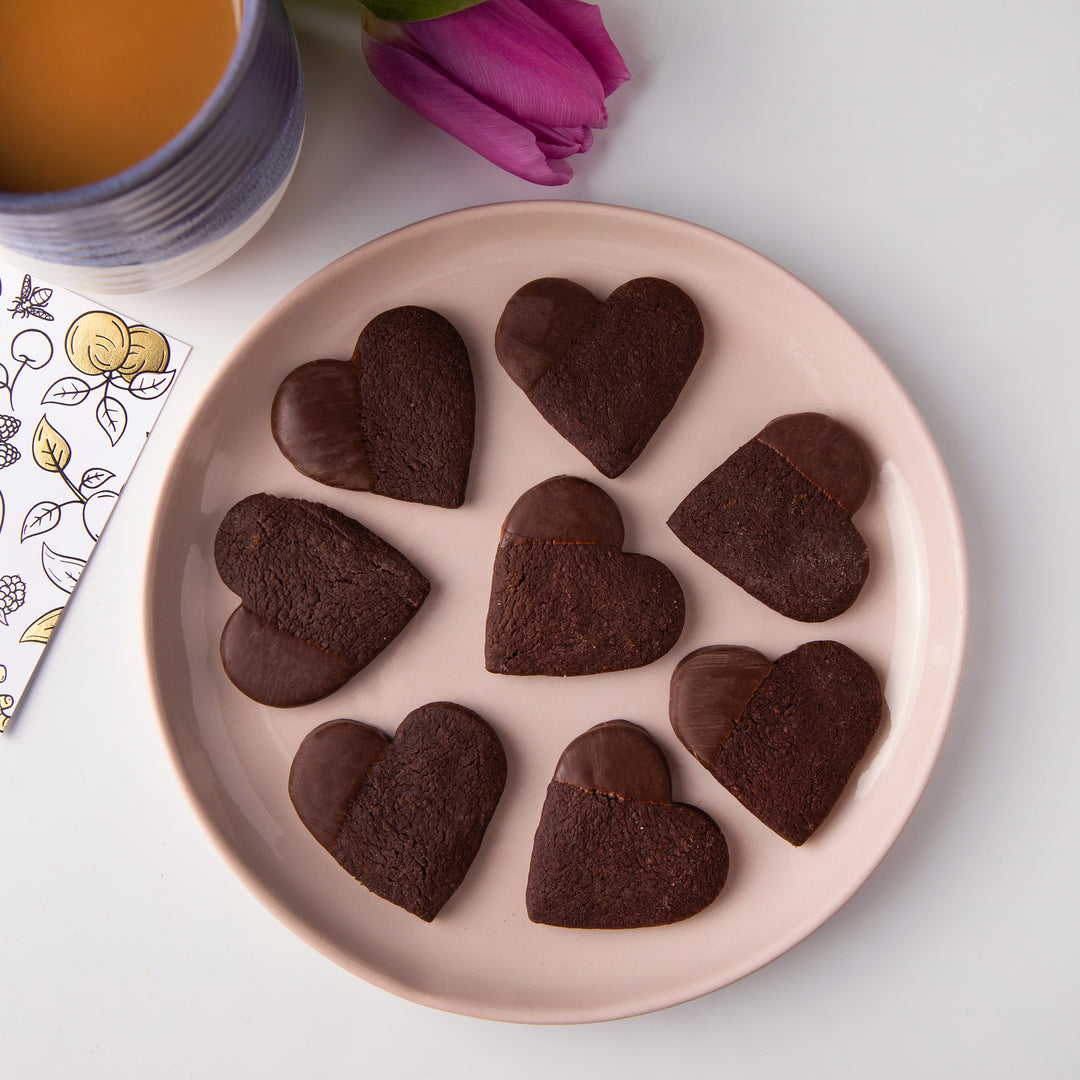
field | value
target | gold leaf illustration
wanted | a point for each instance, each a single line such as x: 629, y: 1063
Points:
x: 39, y: 631
x: 149, y: 352
x: 97, y: 341
x: 51, y: 450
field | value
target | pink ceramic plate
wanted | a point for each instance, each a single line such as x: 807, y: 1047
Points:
x: 772, y: 346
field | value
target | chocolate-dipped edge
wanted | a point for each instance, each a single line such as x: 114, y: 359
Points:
x: 327, y: 771
x: 626, y: 858
x: 564, y: 510
x: 580, y: 542
x: 256, y: 643
x: 276, y: 668
x: 617, y: 758
x: 538, y: 325
x: 829, y: 454
x: 710, y: 687
x: 315, y: 422
x: 797, y: 741
x: 417, y: 822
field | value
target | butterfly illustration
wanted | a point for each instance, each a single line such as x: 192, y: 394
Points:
x: 32, y: 301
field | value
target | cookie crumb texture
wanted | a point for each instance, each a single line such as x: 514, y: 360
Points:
x: 601, y: 862
x: 417, y: 406
x: 764, y: 525
x: 310, y: 576
x: 579, y: 609
x: 796, y: 744
x: 416, y: 823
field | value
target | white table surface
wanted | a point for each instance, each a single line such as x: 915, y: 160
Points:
x: 916, y: 164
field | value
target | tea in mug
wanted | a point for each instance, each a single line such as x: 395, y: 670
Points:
x: 89, y: 88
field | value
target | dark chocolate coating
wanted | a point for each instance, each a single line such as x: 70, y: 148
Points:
x: 315, y: 421
x: 617, y: 758
x: 793, y: 746
x: 396, y: 419
x: 829, y: 454
x: 538, y: 326
x: 276, y: 668
x: 311, y: 572
x: 415, y: 823
x: 565, y: 510
x: 603, y: 860
x: 563, y: 606
x: 603, y: 375
x: 709, y: 690
x: 328, y: 770
x: 761, y: 522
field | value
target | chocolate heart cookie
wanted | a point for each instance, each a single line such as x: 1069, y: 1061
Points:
x: 565, y: 598
x: 612, y: 850
x: 397, y: 419
x: 783, y: 738
x: 602, y: 373
x: 776, y: 517
x: 321, y: 597
x: 405, y: 816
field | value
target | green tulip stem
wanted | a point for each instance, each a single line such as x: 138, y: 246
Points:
x: 415, y: 10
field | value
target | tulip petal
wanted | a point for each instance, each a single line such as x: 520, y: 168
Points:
x: 439, y: 99
x: 583, y: 25
x: 553, y: 151
x: 562, y: 142
x: 511, y: 57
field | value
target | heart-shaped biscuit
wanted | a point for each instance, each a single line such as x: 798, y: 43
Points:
x: 604, y: 374
x: 612, y: 850
x: 775, y: 517
x: 565, y: 598
x: 321, y: 597
x: 405, y: 816
x: 783, y: 738
x: 396, y: 419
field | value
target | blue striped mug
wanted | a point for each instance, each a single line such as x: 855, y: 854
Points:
x: 192, y: 203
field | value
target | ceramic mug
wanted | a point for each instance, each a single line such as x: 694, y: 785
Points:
x: 194, y: 202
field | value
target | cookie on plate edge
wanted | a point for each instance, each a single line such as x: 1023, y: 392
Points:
x: 320, y: 597
x: 784, y: 738
x: 404, y: 816
x: 613, y: 850
x: 775, y: 517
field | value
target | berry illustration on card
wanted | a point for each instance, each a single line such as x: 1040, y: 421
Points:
x: 80, y: 388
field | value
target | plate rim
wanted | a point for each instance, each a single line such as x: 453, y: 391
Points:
x: 300, y: 926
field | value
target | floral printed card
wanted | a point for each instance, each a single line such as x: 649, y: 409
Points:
x: 80, y: 388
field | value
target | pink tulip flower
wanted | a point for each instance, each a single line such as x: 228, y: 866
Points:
x: 522, y: 82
